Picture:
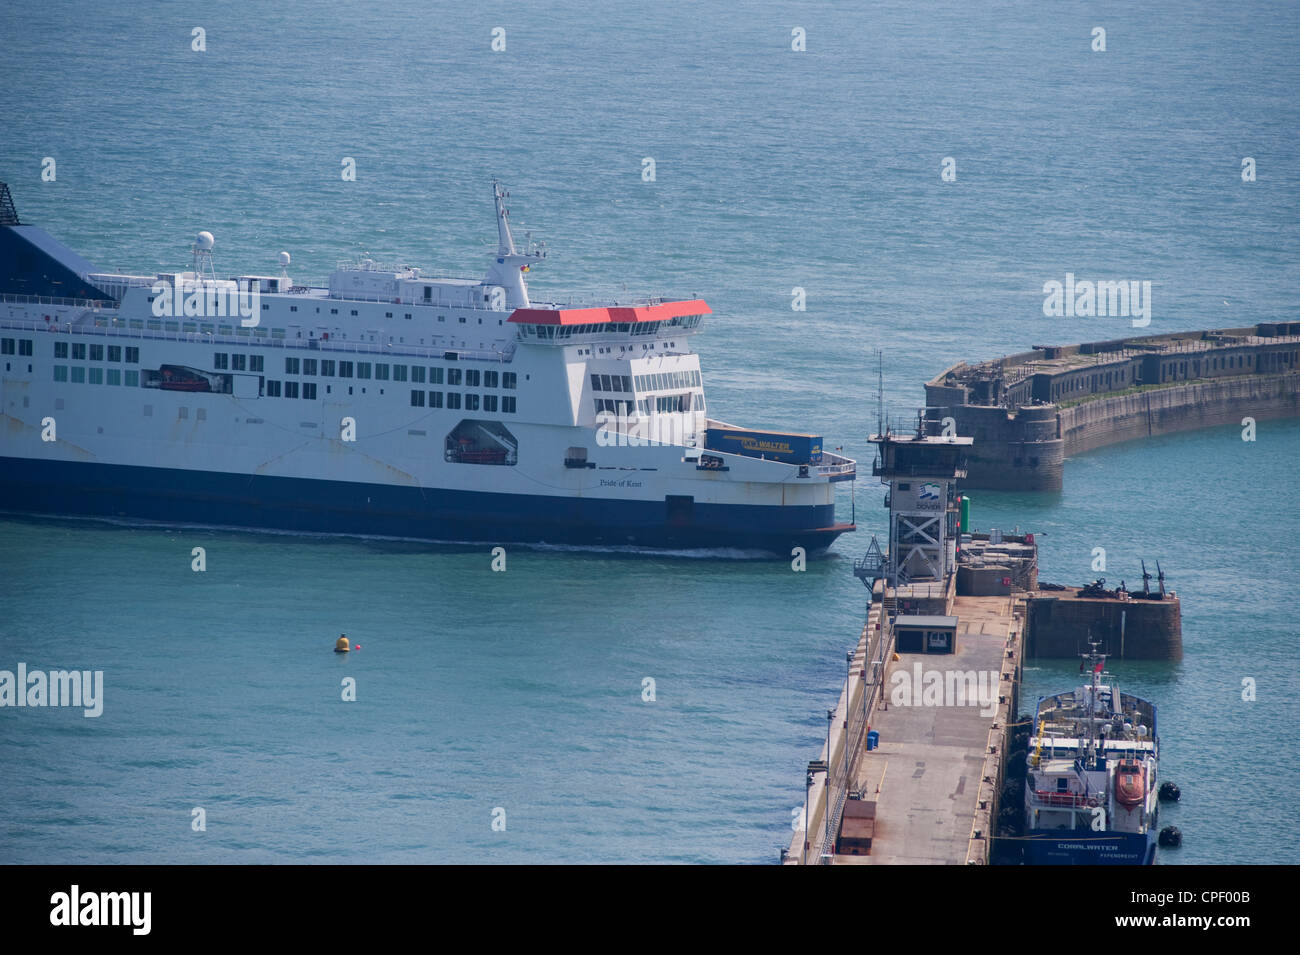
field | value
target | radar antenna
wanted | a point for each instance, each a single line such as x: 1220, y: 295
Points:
x: 202, y: 249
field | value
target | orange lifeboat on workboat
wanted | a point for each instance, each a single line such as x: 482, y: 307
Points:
x: 1130, y: 783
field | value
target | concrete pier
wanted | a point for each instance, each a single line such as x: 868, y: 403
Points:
x: 937, y: 771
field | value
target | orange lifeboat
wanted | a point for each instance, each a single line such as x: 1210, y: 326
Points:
x: 1130, y: 783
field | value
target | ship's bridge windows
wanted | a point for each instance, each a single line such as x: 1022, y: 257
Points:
x: 79, y: 351
x: 327, y: 367
x: 309, y: 366
x: 435, y: 376
x: 363, y: 369
x: 381, y: 371
x: 221, y: 361
x: 115, y: 353
x: 132, y: 354
x: 399, y: 373
x: 490, y: 379
x: 453, y: 376
x: 508, y: 379
x: 96, y: 352
x: 239, y: 362
x: 61, y: 349
x: 417, y: 374
x: 291, y: 366
x: 471, y: 378
x: 255, y: 363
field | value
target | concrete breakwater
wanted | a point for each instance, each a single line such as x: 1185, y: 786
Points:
x: 1029, y: 412
x: 1206, y: 404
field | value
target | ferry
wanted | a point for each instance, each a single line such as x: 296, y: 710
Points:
x: 387, y: 401
x: 1090, y: 785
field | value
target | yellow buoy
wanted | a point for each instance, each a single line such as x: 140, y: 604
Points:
x: 341, y: 645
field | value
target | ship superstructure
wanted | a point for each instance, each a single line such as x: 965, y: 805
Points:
x: 387, y: 401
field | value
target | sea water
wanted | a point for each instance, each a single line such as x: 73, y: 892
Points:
x: 601, y: 705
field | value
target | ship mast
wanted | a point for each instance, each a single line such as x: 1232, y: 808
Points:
x: 506, y: 288
x: 506, y: 243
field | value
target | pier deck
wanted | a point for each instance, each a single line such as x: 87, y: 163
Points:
x: 926, y: 773
x: 936, y: 773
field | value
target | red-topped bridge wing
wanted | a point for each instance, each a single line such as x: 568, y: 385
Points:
x: 614, y: 313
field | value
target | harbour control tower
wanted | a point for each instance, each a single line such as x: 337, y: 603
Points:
x: 921, y: 472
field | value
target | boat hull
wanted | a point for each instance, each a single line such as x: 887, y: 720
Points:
x: 1061, y: 847
x: 179, y: 496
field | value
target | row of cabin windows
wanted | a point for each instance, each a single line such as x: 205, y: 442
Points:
x: 79, y: 374
x: 668, y: 404
x: 289, y: 389
x: 235, y: 362
x: 383, y: 371
x: 552, y: 332
x: 669, y: 379
x: 663, y: 404
x: 80, y: 350
x: 506, y: 404
x: 7, y: 345
x: 611, y: 383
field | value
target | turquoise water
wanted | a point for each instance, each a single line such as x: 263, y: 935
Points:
x: 774, y: 169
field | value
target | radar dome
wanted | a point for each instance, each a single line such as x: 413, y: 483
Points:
x: 204, y: 240
x: 284, y: 258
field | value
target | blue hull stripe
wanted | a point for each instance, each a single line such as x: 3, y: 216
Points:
x: 1062, y: 847
x: 320, y: 506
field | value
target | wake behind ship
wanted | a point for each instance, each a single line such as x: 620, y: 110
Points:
x: 386, y: 403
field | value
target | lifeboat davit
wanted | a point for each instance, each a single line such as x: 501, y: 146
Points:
x: 1130, y: 783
